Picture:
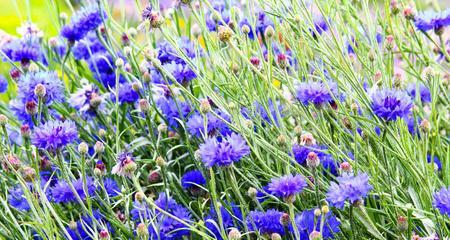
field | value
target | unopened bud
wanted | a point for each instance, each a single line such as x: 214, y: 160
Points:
x: 281, y: 140
x: 53, y: 42
x: 245, y: 29
x: 312, y: 160
x: 205, y: 106
x: 3, y: 120
x: 73, y: 225
x: 298, y: 131
x: 160, y: 162
x: 408, y: 13
x: 402, y: 223
x: 139, y: 196
x: 325, y: 209
x: 425, y: 126
x: 29, y: 174
x: 371, y: 55
x: 269, y: 32
x: 31, y: 107
x: 101, y: 132
x: 25, y: 131
x: 275, y: 236
x: 142, y: 230
x: 196, y: 30
x: 154, y: 177
x: 40, y: 90
x: 346, y: 167
x: 63, y: 16
x: 307, y: 139
x: 144, y: 105
x: 103, y: 234
x: 285, y: 219
x: 315, y: 235
x: 99, y: 147
x: 389, y: 44
x: 162, y: 128
x: 251, y: 192
x: 33, y: 67
x: 83, y: 148
x: 394, y: 7
x: 234, y: 234
x: 119, y: 63
x: 225, y: 33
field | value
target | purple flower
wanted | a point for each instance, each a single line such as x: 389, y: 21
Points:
x: 23, y: 50
x: 61, y: 192
x: 83, y: 21
x: 301, y: 153
x: 441, y: 201
x: 268, y: 114
x: 111, y: 187
x: 349, y: 188
x: 287, y: 186
x: 54, y: 135
x: 87, y: 47
x: 192, y: 179
x: 85, y: 226
x: 425, y: 95
x: 223, y: 152
x: 3, y: 84
x: 317, y: 93
x: 307, y: 222
x: 126, y: 94
x: 53, y: 85
x: 266, y: 223
x: 391, y: 104
x: 173, y: 111
x: 125, y: 165
x: 429, y: 20
x: 181, y: 72
x: 16, y: 199
x: 167, y: 54
x: 87, y: 100
x: 436, y: 162
x: 103, y: 67
x: 214, y: 125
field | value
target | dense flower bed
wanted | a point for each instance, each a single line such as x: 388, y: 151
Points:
x: 228, y: 120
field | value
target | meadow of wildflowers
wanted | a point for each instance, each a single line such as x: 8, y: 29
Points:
x: 214, y: 119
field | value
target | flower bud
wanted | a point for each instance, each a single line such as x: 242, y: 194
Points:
x: 285, y: 219
x: 83, y: 148
x: 63, y: 16
x: 225, y: 33
x: 269, y: 32
x: 103, y: 234
x: 394, y: 7
x: 162, y: 128
x: 281, y: 140
x: 28, y: 173
x: 25, y: 131
x: 251, y: 192
x: 129, y: 168
x: 298, y: 131
x: 428, y: 72
x: 119, y: 63
x: 425, y: 126
x: 282, y: 60
x: 101, y: 132
x: 73, y: 225
x: 275, y: 236
x: 346, y: 167
x: 234, y: 234
x: 15, y: 73
x: 325, y: 209
x: 389, y: 43
x: 245, y: 29
x: 99, y: 147
x: 160, y: 162
x: 139, y: 196
x: 315, y: 235
x: 33, y: 67
x: 205, y: 106
x: 312, y: 160
x: 156, y: 20
x: 402, y: 223
x: 154, y: 177
x: 307, y: 139
x: 255, y: 61
x: 3, y: 120
x: 132, y: 32
x: 408, y: 13
x: 196, y: 30
x: 95, y: 101
x: 40, y: 90
x: 144, y: 105
x: 137, y: 86
x: 142, y: 231
x: 317, y: 212
x: 127, y: 50
x: 98, y: 173
x: 31, y: 108
x: 347, y: 123
x: 53, y: 42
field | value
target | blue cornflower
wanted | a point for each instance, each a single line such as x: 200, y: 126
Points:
x: 61, y: 192
x: 213, y: 22
x: 54, y: 135
x: 391, y: 104
x: 425, y: 95
x: 103, y: 67
x: 53, y: 85
x: 320, y: 25
x: 126, y: 94
x: 192, y: 178
x: 441, y: 201
x: 307, y: 222
x: 266, y: 223
x: 87, y: 47
x: 223, y: 152
x: 430, y: 20
x: 196, y: 125
x: 349, y: 188
x: 83, y: 21
x: 90, y: 187
x: 171, y: 112
x: 111, y: 187
x: 229, y: 214
x: 287, y: 186
x: 167, y: 54
x: 3, y: 84
x: 16, y: 199
x: 87, y: 100
x: 317, y: 93
x: 23, y: 50
x: 181, y: 72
